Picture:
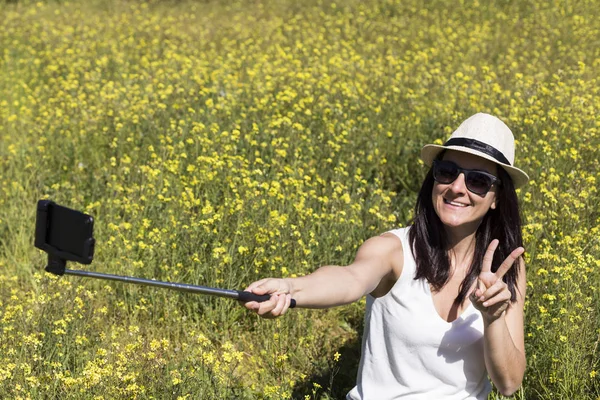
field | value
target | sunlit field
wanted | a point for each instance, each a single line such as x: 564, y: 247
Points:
x: 216, y: 143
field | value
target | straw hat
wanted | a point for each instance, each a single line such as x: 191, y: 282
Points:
x: 485, y: 136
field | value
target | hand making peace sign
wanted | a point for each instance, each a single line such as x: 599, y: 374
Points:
x: 492, y: 297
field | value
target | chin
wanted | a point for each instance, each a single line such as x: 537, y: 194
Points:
x: 460, y: 224
x: 450, y: 223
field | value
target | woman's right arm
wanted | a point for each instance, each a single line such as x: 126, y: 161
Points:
x: 378, y: 260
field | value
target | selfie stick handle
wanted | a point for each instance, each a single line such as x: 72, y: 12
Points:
x: 182, y: 287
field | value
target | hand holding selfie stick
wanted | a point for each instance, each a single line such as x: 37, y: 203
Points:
x: 66, y: 235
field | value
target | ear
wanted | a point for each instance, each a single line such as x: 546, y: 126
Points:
x: 494, y: 202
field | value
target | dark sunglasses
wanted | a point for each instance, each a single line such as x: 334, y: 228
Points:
x: 478, y: 182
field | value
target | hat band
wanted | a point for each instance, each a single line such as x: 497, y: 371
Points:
x: 479, y: 146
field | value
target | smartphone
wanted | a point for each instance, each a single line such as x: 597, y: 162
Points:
x: 64, y: 233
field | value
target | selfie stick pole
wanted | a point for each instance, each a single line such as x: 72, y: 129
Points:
x: 57, y: 266
x: 182, y: 287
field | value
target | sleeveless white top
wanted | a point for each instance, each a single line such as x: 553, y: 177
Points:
x: 409, y: 352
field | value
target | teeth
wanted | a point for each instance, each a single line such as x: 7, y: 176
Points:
x: 455, y: 203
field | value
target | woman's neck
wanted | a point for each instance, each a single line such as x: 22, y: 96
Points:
x: 461, y: 247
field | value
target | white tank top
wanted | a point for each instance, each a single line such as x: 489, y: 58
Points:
x: 409, y: 352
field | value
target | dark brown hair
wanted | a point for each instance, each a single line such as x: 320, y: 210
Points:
x: 429, y: 242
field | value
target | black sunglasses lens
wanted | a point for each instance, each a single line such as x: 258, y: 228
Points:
x: 478, y: 183
x: 445, y: 172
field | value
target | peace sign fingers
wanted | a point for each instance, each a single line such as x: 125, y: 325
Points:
x: 508, y: 263
x: 492, y: 296
x: 489, y: 256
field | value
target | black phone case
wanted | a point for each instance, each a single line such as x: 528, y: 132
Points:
x: 64, y: 233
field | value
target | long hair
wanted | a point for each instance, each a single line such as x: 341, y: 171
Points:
x: 429, y: 242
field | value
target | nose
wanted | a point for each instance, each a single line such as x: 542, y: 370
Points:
x: 459, y: 185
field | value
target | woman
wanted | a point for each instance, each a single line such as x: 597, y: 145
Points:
x: 444, y: 295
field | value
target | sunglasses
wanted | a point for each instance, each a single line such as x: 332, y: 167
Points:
x: 478, y: 182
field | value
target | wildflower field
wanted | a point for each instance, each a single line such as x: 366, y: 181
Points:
x: 220, y: 142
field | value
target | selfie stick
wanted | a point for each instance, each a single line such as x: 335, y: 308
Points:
x: 66, y: 234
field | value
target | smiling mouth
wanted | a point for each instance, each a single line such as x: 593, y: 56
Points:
x: 455, y: 204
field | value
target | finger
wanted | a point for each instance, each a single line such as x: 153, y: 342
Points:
x: 502, y: 297
x: 508, y: 263
x: 288, y: 301
x: 266, y: 307
x: 262, y: 289
x: 280, y: 305
x: 492, y: 291
x: 251, y: 305
x: 489, y: 256
x: 479, y: 289
x: 266, y: 286
x: 255, y: 284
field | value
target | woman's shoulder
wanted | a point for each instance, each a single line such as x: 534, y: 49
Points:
x: 385, y: 243
x: 392, y: 245
x: 389, y: 245
x: 401, y: 233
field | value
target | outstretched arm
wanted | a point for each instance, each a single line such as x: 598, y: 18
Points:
x: 504, y: 344
x: 329, y: 286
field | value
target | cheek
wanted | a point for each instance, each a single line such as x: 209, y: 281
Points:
x: 436, y: 196
x: 491, y: 200
x: 436, y: 192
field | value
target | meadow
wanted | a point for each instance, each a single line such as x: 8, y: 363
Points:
x: 220, y: 142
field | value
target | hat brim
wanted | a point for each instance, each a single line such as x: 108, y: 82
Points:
x: 431, y: 151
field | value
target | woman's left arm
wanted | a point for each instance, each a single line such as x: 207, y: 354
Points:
x: 504, y: 343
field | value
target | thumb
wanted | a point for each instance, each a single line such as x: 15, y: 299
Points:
x: 479, y: 288
x: 267, y: 286
x: 260, y: 290
x: 254, y: 285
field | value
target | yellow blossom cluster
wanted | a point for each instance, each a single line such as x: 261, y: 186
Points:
x: 217, y: 143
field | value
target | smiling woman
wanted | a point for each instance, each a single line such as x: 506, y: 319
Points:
x: 445, y: 295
